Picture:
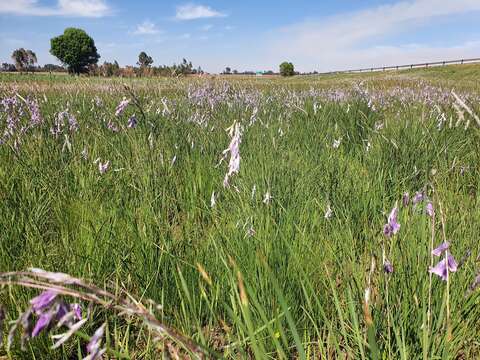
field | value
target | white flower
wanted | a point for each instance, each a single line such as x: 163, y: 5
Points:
x: 212, y: 199
x: 267, y: 198
x: 328, y: 212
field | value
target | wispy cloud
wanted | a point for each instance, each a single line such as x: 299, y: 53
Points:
x: 146, y: 28
x: 75, y: 8
x: 192, y: 12
x: 350, y: 40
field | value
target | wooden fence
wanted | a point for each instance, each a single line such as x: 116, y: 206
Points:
x: 410, y: 66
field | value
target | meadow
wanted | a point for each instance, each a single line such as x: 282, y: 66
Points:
x: 253, y: 218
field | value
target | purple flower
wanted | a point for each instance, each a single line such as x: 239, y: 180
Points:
x: 121, y: 107
x: 406, y: 199
x: 103, y: 167
x: 419, y: 196
x: 387, y: 267
x: 93, y: 346
x: 43, y: 301
x: 392, y: 226
x: 132, y: 122
x: 430, y: 210
x: 111, y: 126
x: 43, y: 321
x: 438, y: 251
x: 444, y: 266
x: 77, y: 310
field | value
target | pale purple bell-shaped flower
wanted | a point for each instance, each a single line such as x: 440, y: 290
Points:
x: 94, y: 345
x: 132, y: 122
x: 430, y: 210
x: 392, y: 226
x: 43, y: 301
x: 444, y: 266
x: 440, y: 249
x: 103, y: 167
x: 122, y: 106
x: 419, y: 196
x: 405, y: 199
x: 387, y: 266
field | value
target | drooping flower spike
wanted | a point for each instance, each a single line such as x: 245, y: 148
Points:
x: 392, y: 226
x: 430, y: 210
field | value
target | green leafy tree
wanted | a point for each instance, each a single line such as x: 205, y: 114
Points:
x: 24, y: 59
x: 144, y: 60
x: 75, y: 49
x: 287, y: 69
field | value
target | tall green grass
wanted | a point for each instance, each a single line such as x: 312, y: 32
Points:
x: 295, y: 289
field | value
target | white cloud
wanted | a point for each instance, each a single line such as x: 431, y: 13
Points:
x: 192, y: 12
x: 146, y: 28
x: 76, y: 8
x: 345, y: 41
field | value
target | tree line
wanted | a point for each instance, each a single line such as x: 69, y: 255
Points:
x: 77, y: 52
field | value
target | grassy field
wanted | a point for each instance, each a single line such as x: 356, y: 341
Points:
x: 291, y: 258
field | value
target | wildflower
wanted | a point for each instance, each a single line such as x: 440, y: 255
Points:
x: 234, y: 150
x: 77, y: 310
x: 98, y: 101
x: 419, y: 196
x: 93, y: 346
x: 111, y: 126
x: 475, y: 284
x: 103, y: 167
x: 44, y: 321
x: 122, y: 106
x: 250, y: 232
x: 392, y: 226
x: 439, y: 250
x: 267, y: 198
x: 336, y: 143
x: 43, y: 301
x: 132, y: 122
x: 445, y: 265
x: 387, y: 266
x: 62, y: 338
x: 430, y: 210
x: 405, y: 199
x: 328, y: 212
x: 36, y: 118
x: 84, y: 153
x: 212, y: 199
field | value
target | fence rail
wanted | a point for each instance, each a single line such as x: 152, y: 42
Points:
x: 410, y: 66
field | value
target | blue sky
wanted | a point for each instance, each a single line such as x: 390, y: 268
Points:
x: 251, y: 35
